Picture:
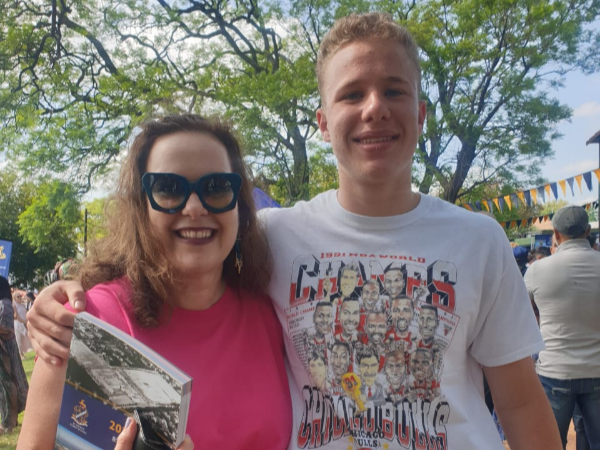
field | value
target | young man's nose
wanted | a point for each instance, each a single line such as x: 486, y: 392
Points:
x: 375, y: 107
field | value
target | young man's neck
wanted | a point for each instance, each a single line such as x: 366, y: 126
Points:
x: 377, y: 200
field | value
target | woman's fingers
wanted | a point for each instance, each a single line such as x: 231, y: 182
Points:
x: 127, y: 436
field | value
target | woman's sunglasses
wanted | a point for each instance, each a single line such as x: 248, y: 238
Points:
x: 169, y: 192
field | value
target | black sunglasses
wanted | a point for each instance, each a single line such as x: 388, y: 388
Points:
x: 169, y: 192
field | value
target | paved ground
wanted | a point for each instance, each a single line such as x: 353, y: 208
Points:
x: 570, y: 440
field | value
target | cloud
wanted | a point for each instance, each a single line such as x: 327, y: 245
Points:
x: 578, y: 167
x: 587, y: 109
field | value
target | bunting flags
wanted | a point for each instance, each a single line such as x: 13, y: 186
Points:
x: 571, y: 181
x: 554, y: 188
x: 563, y: 186
x: 578, y: 179
x: 524, y: 223
x: 531, y: 196
x: 588, y: 180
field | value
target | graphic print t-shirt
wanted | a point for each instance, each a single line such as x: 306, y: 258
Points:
x: 388, y: 320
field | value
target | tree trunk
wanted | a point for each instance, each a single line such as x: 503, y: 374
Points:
x: 466, y: 155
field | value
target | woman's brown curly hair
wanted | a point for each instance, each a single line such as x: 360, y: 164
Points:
x: 130, y: 249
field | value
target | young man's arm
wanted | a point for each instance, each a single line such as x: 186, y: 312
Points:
x: 522, y: 406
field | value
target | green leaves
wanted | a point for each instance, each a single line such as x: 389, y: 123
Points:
x: 41, y: 219
x: 72, y: 93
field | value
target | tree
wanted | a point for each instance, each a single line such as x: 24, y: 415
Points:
x: 51, y: 221
x: 77, y: 76
x: 486, y: 64
x: 30, y: 260
x: 95, y: 221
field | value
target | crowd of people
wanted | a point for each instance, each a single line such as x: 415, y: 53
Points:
x: 385, y: 307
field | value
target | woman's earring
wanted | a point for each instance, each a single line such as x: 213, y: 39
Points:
x: 238, y: 256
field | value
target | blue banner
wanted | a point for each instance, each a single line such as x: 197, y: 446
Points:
x: 262, y: 200
x: 5, y: 251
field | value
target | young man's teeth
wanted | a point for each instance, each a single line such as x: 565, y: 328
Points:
x: 195, y: 234
x: 375, y: 141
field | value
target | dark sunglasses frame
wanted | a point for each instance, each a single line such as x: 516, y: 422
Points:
x: 150, y: 178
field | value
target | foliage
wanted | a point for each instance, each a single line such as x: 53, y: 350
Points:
x: 77, y: 76
x: 40, y: 220
x: 95, y: 221
x: 50, y: 221
x: 486, y: 66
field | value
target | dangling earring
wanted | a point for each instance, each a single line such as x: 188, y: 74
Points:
x: 238, y: 256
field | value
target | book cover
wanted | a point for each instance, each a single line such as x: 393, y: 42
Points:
x: 110, y: 376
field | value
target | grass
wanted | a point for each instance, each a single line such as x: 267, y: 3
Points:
x: 9, y: 441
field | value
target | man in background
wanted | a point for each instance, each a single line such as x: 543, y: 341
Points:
x: 566, y: 290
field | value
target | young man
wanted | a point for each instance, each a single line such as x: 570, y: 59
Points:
x: 369, y: 80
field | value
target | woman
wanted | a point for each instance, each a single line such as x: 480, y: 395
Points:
x: 183, y: 270
x: 20, y: 325
x: 13, y: 383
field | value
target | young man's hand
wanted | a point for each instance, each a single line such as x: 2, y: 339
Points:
x: 50, y: 325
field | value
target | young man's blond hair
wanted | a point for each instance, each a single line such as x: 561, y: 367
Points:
x: 361, y: 27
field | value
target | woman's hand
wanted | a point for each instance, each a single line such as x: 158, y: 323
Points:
x: 127, y: 436
x: 50, y: 325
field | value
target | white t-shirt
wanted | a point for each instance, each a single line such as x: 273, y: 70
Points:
x: 475, y: 310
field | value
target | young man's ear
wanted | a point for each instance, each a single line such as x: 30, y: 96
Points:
x: 322, y: 121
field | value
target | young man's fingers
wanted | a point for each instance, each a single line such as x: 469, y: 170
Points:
x: 49, y: 303
x: 48, y: 357
x: 41, y: 327
x: 76, y: 295
x: 50, y: 350
x: 127, y: 436
x: 187, y: 444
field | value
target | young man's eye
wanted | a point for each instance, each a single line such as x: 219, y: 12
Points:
x: 394, y: 92
x: 352, y: 96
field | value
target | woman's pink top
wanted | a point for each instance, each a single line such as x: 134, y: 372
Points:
x: 233, y: 351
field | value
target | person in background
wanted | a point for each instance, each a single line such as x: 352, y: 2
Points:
x: 30, y: 299
x: 542, y: 252
x: 21, y: 324
x: 13, y: 382
x: 566, y: 289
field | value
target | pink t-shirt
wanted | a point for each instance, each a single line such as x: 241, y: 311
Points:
x: 233, y: 351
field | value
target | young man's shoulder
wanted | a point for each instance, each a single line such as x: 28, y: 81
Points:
x: 300, y: 209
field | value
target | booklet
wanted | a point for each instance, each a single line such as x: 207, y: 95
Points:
x: 112, y: 376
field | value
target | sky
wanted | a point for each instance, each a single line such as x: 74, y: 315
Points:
x: 572, y: 155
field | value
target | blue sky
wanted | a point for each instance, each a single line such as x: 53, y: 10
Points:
x: 572, y: 156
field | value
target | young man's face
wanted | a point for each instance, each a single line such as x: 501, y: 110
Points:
x: 350, y: 316
x: 394, y: 283
x: 371, y: 112
x: 402, y: 313
x: 323, y: 319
